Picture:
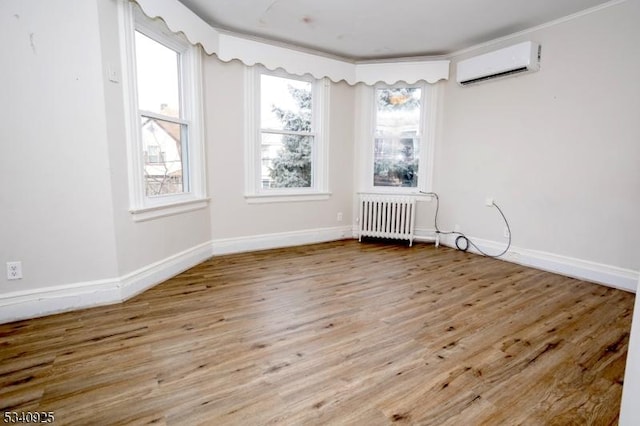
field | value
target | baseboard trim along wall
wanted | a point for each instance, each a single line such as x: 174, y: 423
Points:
x: 20, y: 305
x: 34, y: 303
x: 283, y: 239
x: 148, y: 276
x: 611, y: 276
x: 53, y: 300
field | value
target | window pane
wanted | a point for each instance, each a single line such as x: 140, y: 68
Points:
x: 285, y: 104
x: 157, y: 69
x: 162, y: 144
x: 398, y: 111
x: 286, y: 161
x: 396, y: 162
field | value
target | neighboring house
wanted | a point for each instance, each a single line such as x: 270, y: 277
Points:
x: 162, y: 152
x: 269, y: 153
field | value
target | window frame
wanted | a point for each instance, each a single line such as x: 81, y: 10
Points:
x: 141, y: 206
x: 319, y: 189
x: 426, y: 136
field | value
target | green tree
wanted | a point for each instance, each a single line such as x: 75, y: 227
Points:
x: 292, y: 167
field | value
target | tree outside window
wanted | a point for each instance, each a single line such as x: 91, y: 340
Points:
x: 286, y: 131
x: 397, y: 137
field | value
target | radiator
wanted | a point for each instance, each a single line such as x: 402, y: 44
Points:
x: 387, y: 216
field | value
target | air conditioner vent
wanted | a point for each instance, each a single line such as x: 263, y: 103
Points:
x: 517, y: 59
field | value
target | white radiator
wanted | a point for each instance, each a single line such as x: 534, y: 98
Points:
x: 387, y: 216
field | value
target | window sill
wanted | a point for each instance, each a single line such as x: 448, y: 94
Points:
x: 286, y: 198
x: 149, y: 213
x: 419, y: 196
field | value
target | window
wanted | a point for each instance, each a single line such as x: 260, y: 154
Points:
x: 397, y: 137
x: 401, y: 143
x: 286, y: 143
x: 163, y: 89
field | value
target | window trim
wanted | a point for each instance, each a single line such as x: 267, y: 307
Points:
x: 319, y: 189
x: 141, y: 206
x: 426, y: 136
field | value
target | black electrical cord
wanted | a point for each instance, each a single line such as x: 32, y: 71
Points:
x: 462, y: 237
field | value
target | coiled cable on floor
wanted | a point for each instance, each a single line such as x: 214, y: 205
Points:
x: 463, y: 238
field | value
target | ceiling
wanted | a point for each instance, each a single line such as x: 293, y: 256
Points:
x: 381, y: 29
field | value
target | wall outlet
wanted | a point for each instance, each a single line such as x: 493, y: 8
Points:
x: 339, y: 217
x: 488, y: 201
x: 14, y: 270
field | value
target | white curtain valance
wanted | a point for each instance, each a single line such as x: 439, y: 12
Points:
x: 250, y: 52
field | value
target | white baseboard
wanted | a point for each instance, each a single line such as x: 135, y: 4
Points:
x: 52, y: 300
x: 34, y: 303
x: 611, y: 276
x: 282, y: 239
x: 146, y: 277
x: 424, y: 235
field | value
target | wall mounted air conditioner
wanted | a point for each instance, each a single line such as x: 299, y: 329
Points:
x: 513, y: 60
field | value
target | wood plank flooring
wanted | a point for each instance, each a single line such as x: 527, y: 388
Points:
x: 335, y: 333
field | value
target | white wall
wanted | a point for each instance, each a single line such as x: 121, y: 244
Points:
x: 55, y: 202
x: 557, y: 149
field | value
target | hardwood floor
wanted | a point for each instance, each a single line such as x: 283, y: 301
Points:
x: 335, y: 333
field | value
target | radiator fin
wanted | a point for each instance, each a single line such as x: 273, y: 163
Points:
x: 387, y: 216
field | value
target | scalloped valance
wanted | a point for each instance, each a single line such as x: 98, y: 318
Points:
x: 228, y: 47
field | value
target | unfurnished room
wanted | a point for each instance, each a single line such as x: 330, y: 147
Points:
x: 304, y: 212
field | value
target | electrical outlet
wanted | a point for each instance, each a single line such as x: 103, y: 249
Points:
x: 14, y: 270
x: 339, y: 217
x: 488, y: 201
